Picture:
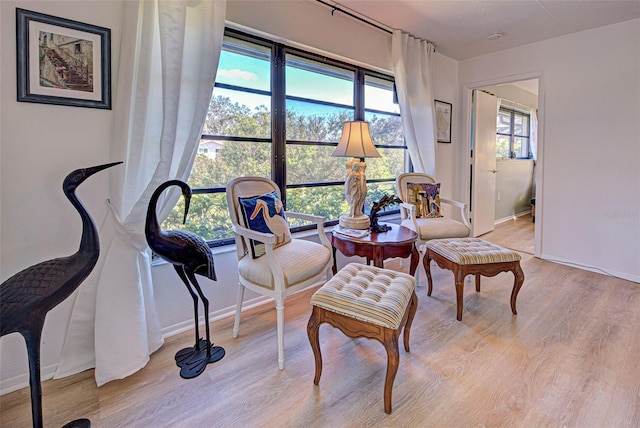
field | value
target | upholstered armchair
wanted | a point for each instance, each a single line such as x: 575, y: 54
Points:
x: 270, y: 261
x: 421, y: 211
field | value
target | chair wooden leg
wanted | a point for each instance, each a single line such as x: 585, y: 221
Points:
x: 478, y: 282
x: 393, y: 359
x: 458, y: 274
x: 280, y: 326
x: 239, y: 300
x: 517, y: 283
x: 427, y: 268
x: 418, y: 261
x: 313, y: 330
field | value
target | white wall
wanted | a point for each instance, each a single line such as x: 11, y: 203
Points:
x: 42, y: 143
x: 589, y: 212
x: 513, y: 187
x: 39, y: 145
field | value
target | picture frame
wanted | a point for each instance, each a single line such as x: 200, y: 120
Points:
x: 62, y: 62
x: 443, y: 121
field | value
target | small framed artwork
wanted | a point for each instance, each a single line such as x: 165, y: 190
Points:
x: 443, y: 121
x: 62, y: 62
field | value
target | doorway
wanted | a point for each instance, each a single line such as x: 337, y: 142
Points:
x: 503, y: 183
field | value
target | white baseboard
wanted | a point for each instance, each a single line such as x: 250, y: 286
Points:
x: 513, y: 217
x: 22, y: 380
x: 229, y: 311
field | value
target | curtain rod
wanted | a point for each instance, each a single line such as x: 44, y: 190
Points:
x: 506, y: 100
x: 516, y: 103
x: 334, y: 8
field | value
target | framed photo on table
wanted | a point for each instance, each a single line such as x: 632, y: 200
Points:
x: 443, y: 121
x: 62, y: 62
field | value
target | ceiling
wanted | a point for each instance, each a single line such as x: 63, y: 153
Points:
x: 459, y: 28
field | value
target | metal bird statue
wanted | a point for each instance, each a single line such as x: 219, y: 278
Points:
x: 383, y: 203
x: 189, y: 254
x: 27, y: 297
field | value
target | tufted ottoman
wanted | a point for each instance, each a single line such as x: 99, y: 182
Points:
x: 473, y: 256
x: 366, y: 301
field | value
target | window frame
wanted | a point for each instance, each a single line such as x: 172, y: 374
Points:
x: 278, y: 139
x: 512, y: 135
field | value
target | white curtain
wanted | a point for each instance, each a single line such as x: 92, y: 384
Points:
x: 412, y: 59
x: 168, y: 60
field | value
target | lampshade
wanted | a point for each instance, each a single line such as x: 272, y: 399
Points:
x: 356, y: 141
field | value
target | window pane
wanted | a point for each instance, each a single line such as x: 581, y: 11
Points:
x: 521, y: 147
x: 388, y: 166
x: 375, y: 191
x: 378, y: 95
x: 225, y: 160
x: 316, y: 81
x: 504, y: 122
x: 313, y: 164
x: 238, y: 114
x: 330, y: 202
x: 208, y: 217
x: 308, y: 121
x: 244, y: 64
x: 385, y: 129
x: 502, y: 146
x: 326, y: 201
x: 520, y: 125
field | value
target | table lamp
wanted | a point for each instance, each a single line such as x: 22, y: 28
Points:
x: 355, y: 143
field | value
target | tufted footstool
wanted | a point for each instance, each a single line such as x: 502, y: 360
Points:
x: 473, y: 256
x: 366, y: 301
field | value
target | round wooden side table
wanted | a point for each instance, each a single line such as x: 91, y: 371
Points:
x: 399, y: 241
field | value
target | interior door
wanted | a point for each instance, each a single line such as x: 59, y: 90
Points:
x: 483, y: 161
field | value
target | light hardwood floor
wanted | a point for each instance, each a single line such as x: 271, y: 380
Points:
x: 568, y: 359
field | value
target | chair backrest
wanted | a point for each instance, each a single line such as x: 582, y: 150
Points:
x: 245, y: 187
x: 410, y: 177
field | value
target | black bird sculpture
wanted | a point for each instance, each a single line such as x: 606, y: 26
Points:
x: 27, y: 297
x: 190, y: 255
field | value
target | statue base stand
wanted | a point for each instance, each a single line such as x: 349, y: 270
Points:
x: 360, y: 222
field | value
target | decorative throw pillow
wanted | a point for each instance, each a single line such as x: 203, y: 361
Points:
x: 426, y: 198
x: 265, y: 213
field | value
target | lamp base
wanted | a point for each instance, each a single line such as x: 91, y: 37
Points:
x: 360, y: 222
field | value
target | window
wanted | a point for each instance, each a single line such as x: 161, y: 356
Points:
x: 512, y: 139
x: 278, y: 112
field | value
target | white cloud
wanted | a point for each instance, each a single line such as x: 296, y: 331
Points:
x: 237, y: 74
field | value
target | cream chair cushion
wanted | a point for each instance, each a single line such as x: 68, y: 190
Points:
x: 299, y: 260
x: 436, y: 228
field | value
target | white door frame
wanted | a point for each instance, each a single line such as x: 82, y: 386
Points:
x: 467, y: 88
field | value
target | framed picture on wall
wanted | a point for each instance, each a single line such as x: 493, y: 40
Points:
x: 63, y: 62
x: 443, y: 121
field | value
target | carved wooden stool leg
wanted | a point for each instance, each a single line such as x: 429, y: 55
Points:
x: 478, y: 282
x: 313, y: 328
x: 413, y: 306
x: 393, y: 359
x: 517, y: 283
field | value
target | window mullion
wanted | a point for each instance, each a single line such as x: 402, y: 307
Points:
x: 279, y: 115
x: 358, y: 92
